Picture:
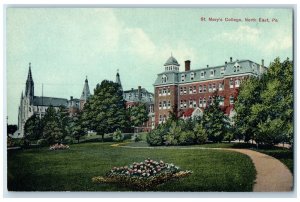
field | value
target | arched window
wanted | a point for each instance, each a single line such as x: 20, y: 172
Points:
x: 237, y: 83
x: 200, y: 102
x: 200, y: 89
x: 192, y: 75
x: 231, y: 83
x: 182, y: 77
x: 164, y: 79
x: 231, y: 99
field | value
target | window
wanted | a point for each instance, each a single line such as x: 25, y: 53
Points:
x: 238, y: 68
x: 164, y: 91
x: 221, y: 100
x: 190, y: 90
x: 182, y: 77
x: 200, y: 89
x: 181, y: 104
x: 202, y: 74
x: 184, y: 90
x: 164, y: 104
x: 169, y: 104
x: 204, y: 88
x: 231, y: 83
x: 222, y: 70
x: 200, y: 102
x: 237, y: 83
x: 192, y: 75
x: 194, y: 104
x: 159, y: 106
x: 160, y: 118
x: 209, y: 88
x: 169, y: 91
x: 164, y: 79
x: 214, y: 87
x: 204, y: 102
x: 231, y: 99
x: 164, y: 118
x: 221, y: 86
x: 184, y: 104
x: 194, y: 90
x: 181, y: 91
x: 159, y: 92
x: 210, y: 100
x: 191, y: 104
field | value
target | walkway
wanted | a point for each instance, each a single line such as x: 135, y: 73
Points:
x: 272, y: 175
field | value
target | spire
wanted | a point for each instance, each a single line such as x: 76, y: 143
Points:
x: 118, y: 80
x: 22, y: 95
x: 29, y: 91
x: 86, y: 90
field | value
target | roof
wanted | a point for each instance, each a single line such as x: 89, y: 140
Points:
x: 188, y: 112
x: 47, y: 101
x: 171, y: 61
x: 204, y: 74
x: 132, y: 96
x: 86, y: 91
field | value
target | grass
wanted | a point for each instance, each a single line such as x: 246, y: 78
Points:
x: 282, y: 154
x: 72, y: 170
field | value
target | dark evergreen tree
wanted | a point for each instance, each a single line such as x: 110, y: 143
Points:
x: 215, y: 122
x: 138, y: 114
x: 33, y: 128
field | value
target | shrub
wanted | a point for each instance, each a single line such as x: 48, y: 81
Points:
x: 117, y: 136
x: 200, y: 134
x: 156, y: 136
x: 42, y: 142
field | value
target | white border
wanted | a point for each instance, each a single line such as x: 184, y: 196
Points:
x: 136, y: 3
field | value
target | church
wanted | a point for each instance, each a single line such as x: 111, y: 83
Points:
x: 31, y: 104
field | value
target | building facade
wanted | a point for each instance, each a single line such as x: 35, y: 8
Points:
x: 189, y: 92
x: 139, y: 95
x: 31, y: 104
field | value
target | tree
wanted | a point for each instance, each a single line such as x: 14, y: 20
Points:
x: 215, y: 122
x: 11, y: 129
x: 200, y: 134
x: 105, y: 111
x: 52, y: 130
x: 64, y: 120
x: 33, y: 128
x: 77, y: 128
x: 249, y: 94
x: 138, y: 114
x: 275, y: 111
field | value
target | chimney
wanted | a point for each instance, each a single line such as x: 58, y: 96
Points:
x: 139, y: 93
x: 207, y: 66
x: 262, y: 62
x: 225, y: 62
x: 71, y: 98
x: 230, y: 59
x: 187, y: 65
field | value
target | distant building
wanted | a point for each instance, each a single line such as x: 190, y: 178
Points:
x: 31, y: 104
x: 191, y: 91
x: 139, y: 95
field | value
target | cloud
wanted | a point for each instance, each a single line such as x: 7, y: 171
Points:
x: 279, y: 43
x: 243, y: 34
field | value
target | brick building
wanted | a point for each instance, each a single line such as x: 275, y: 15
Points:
x: 190, y: 91
x: 139, y: 95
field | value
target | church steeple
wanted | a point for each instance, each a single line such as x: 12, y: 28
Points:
x: 118, y: 80
x: 86, y: 90
x: 29, y: 91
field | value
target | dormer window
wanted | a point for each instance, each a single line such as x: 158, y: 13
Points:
x: 212, y: 72
x: 164, y: 79
x: 192, y: 75
x: 222, y: 70
x: 202, y: 74
x: 236, y: 67
x: 182, y: 77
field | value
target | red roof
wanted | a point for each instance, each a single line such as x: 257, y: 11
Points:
x: 188, y: 112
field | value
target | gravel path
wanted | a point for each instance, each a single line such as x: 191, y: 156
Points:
x: 272, y: 175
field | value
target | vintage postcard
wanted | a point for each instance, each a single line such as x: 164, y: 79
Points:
x: 165, y: 99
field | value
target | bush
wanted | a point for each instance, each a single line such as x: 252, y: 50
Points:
x: 200, y: 134
x: 117, y: 136
x: 156, y: 136
x: 42, y: 142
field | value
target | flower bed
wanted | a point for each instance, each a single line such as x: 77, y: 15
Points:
x: 143, y: 175
x: 59, y: 147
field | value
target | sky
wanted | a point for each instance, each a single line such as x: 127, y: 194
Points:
x: 64, y: 45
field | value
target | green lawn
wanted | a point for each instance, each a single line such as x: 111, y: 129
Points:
x: 72, y: 170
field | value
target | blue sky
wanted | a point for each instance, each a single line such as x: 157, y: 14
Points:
x: 66, y: 44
